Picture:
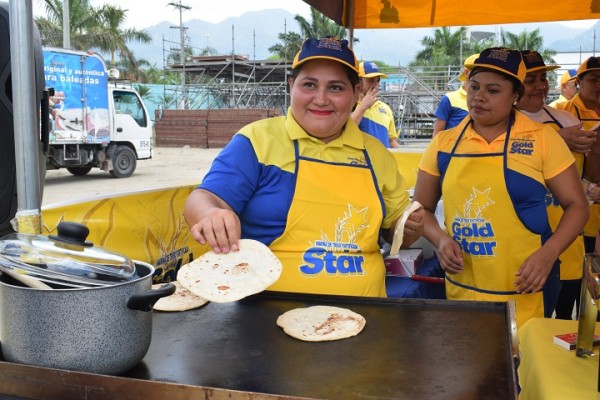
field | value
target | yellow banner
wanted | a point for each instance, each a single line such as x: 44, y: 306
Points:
x: 428, y: 13
x: 147, y: 226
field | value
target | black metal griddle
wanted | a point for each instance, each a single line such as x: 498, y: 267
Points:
x: 409, y: 349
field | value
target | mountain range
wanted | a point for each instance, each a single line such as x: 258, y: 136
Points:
x: 254, y: 32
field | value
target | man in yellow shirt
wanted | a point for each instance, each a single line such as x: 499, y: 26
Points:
x: 568, y: 88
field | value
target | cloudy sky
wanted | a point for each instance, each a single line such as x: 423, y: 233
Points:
x: 145, y: 13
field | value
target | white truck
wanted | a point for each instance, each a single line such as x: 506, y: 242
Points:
x: 93, y: 122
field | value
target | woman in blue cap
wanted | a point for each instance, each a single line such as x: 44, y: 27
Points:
x: 533, y: 105
x: 310, y: 185
x: 492, y: 172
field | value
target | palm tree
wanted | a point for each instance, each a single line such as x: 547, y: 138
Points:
x: 111, y: 37
x: 138, y: 72
x: 82, y: 17
x: 527, y: 41
x: 319, y: 26
x: 444, y: 48
x: 208, y: 51
x: 144, y: 91
x: 291, y: 42
x: 90, y: 28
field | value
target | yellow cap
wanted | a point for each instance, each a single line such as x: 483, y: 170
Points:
x: 469, y: 60
x: 568, y: 75
x: 369, y: 69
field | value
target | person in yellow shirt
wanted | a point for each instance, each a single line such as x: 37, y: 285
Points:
x: 568, y: 88
x: 585, y: 105
x: 453, y: 106
x: 310, y: 185
x: 493, y: 172
x: 533, y: 105
x: 371, y: 114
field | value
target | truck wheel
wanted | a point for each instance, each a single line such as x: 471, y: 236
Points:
x: 79, y: 171
x: 123, y: 162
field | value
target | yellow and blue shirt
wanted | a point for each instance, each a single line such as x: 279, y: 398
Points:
x: 378, y: 121
x: 535, y: 150
x: 494, y: 198
x: 255, y: 173
x: 571, y: 259
x: 452, y: 108
x: 589, y: 118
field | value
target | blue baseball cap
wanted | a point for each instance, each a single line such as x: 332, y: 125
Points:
x: 368, y: 69
x: 503, y: 60
x: 328, y: 48
x: 591, y: 64
x: 534, y: 61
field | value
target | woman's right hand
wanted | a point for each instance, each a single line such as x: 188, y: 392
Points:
x: 578, y: 140
x: 220, y: 229
x: 450, y: 255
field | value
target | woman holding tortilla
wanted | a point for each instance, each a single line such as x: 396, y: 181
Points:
x: 310, y: 185
x: 492, y: 172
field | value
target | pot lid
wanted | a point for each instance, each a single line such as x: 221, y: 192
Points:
x: 65, y: 258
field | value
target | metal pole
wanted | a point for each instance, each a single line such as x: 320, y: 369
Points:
x: 232, y: 102
x: 66, y: 25
x: 182, y: 30
x: 285, y: 70
x: 182, y: 56
x: 25, y: 117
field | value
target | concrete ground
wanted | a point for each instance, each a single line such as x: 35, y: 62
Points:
x: 168, y: 167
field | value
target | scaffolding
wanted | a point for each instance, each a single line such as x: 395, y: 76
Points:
x: 234, y: 81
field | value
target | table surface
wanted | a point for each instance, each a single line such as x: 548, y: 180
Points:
x: 548, y: 371
x: 409, y: 349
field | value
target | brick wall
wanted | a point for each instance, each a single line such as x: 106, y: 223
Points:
x: 204, y: 128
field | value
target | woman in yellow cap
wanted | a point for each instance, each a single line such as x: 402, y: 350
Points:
x: 585, y: 105
x: 493, y: 172
x: 310, y: 185
x: 533, y: 105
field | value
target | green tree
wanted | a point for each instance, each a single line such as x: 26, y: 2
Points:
x: 444, y: 48
x: 144, y: 91
x: 208, y: 51
x: 82, y: 17
x: 90, y: 28
x: 318, y: 26
x: 111, y: 37
x: 138, y: 72
x: 290, y: 44
x: 525, y: 40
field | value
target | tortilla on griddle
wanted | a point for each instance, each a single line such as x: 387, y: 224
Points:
x: 321, y: 323
x: 181, y: 300
x: 229, y: 277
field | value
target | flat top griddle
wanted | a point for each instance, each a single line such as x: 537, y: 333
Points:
x: 409, y: 348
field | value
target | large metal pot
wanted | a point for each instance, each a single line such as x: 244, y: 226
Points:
x: 104, y: 329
